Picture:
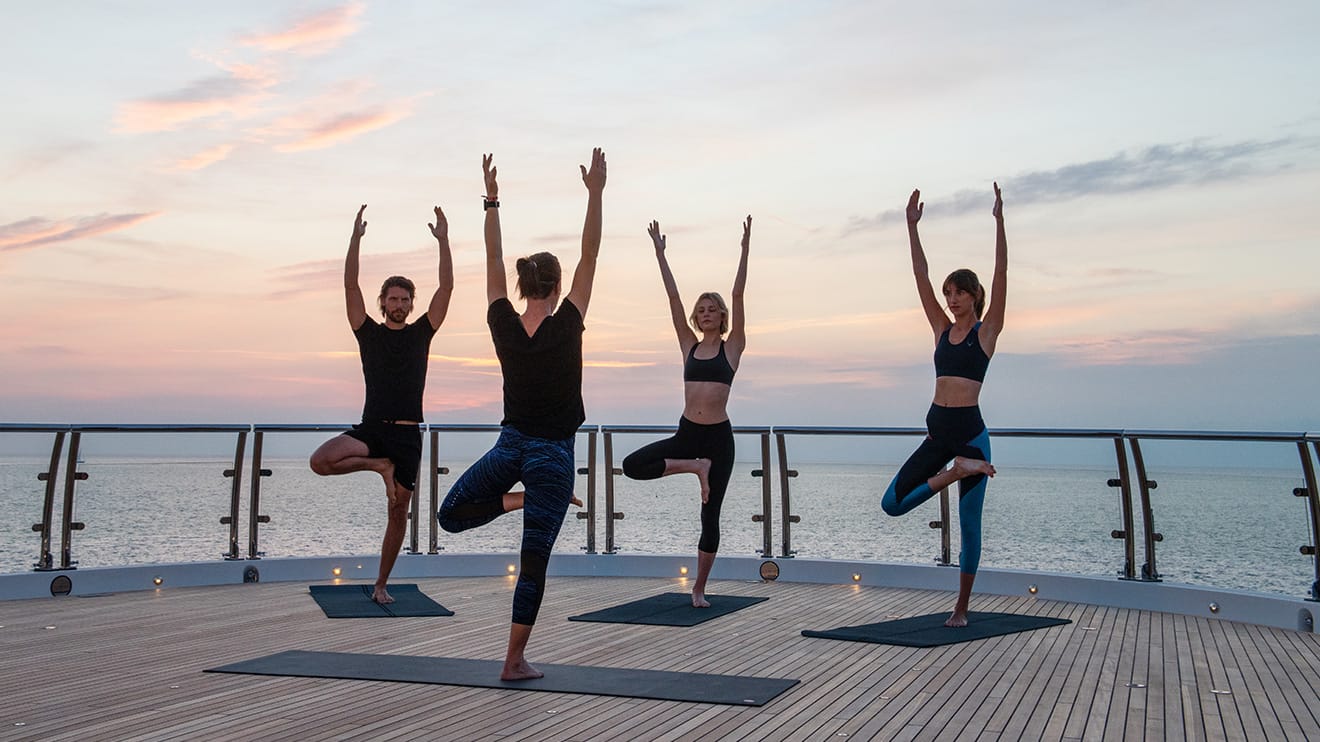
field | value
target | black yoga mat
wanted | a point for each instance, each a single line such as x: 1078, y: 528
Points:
x: 930, y: 631
x: 669, y: 609
x: 354, y: 601
x: 601, y: 681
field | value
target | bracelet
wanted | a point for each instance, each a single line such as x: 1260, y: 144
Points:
x: 489, y: 203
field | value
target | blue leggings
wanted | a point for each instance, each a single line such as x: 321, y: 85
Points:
x: 545, y: 468
x: 953, y: 431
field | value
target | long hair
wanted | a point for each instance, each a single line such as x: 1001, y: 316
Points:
x: 538, y: 275
x: 965, y: 279
x: 719, y: 302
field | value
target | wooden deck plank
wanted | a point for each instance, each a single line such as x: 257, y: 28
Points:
x: 109, y: 668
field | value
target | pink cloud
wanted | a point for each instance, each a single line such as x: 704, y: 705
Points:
x: 38, y: 231
x: 237, y: 94
x: 313, y: 34
x: 341, y: 128
x: 206, y: 157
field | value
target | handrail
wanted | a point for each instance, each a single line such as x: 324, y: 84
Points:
x: 67, y: 442
x: 611, y: 471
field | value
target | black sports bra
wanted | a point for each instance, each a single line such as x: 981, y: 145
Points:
x: 966, y: 359
x: 715, y: 369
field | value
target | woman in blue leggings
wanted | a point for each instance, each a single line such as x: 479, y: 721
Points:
x: 703, y: 444
x: 955, y: 430
x: 540, y: 354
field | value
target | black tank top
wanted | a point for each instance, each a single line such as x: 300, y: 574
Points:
x: 966, y: 359
x: 715, y: 369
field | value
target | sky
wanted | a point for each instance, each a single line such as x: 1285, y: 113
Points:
x: 181, y: 181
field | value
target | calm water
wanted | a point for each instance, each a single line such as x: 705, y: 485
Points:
x: 1229, y: 528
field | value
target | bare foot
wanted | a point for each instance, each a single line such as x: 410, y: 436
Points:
x: 957, y: 620
x: 703, y: 476
x: 392, y: 489
x: 574, y: 500
x: 964, y: 467
x: 520, y: 670
x: 380, y: 596
x: 699, y: 600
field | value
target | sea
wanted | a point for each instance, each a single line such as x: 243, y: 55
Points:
x: 1222, y: 526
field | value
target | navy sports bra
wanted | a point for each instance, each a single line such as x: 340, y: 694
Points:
x: 715, y: 369
x: 966, y: 359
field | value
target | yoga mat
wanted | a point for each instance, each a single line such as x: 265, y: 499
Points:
x: 669, y: 609
x: 600, y: 681
x: 354, y: 601
x: 930, y: 631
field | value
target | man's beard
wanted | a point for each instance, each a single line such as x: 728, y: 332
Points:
x: 398, y: 315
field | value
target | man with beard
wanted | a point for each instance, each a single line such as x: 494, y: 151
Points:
x: 389, y: 439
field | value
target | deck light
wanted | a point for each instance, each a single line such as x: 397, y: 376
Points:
x: 512, y: 569
x: 1031, y: 589
x: 156, y: 581
x: 857, y: 577
x: 682, y: 570
x: 336, y: 571
x: 769, y: 571
x: 1214, y: 607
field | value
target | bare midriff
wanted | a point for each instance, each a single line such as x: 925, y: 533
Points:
x: 955, y: 391
x: 706, y: 402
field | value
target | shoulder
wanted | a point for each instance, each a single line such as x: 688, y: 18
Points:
x: 368, y: 326
x: 501, y: 307
x: 569, y: 313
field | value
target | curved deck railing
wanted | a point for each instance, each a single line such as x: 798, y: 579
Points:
x: 1134, y: 487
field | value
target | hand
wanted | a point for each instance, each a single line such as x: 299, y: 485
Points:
x: 656, y: 237
x: 440, y: 230
x: 595, y: 177
x: 998, y: 210
x: 488, y: 171
x: 359, y: 226
x: 915, y: 207
x: 747, y: 232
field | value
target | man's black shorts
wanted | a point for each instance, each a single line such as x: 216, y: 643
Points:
x: 401, y: 444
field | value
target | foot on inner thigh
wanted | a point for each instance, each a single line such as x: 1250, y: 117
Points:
x: 380, y: 596
x: 514, y: 500
x: 964, y: 467
x: 520, y: 670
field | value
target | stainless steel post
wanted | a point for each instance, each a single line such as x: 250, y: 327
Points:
x: 1149, y: 572
x: 45, y: 561
x: 235, y: 496
x: 786, y: 516
x: 1124, y: 483
x: 1313, y: 510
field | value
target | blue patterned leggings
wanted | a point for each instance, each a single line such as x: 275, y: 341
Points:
x: 954, y: 431
x: 545, y: 468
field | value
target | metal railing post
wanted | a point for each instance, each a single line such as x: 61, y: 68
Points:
x: 67, y: 524
x: 1149, y: 572
x: 1312, y: 495
x: 945, y: 559
x: 767, y: 537
x: 786, y: 516
x: 436, y: 470
x: 590, y: 515
x: 45, y: 562
x: 1124, y: 483
x: 235, y: 496
x: 255, y: 518
x: 610, y: 515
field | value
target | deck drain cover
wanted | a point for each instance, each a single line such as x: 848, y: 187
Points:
x: 61, y: 585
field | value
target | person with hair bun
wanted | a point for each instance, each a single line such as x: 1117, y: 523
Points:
x: 540, y: 355
x: 955, y: 430
x: 703, y: 444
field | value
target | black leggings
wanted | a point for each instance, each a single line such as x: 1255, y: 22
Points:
x: 692, y: 441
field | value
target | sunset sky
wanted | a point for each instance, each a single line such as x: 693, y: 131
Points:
x: 181, y: 180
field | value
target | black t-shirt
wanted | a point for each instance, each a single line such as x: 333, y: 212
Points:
x: 542, y: 373
x: 394, y: 368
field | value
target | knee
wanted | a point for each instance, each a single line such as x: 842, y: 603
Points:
x: 639, y: 467
x: 320, y: 464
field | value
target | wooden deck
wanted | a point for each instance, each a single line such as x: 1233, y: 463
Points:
x: 129, y: 666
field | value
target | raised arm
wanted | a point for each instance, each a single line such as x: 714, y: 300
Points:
x: 930, y: 303
x: 585, y: 274
x: 353, y: 301
x: 497, y: 287
x: 993, y: 321
x: 737, y: 341
x: 439, y: 306
x: 686, y: 337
